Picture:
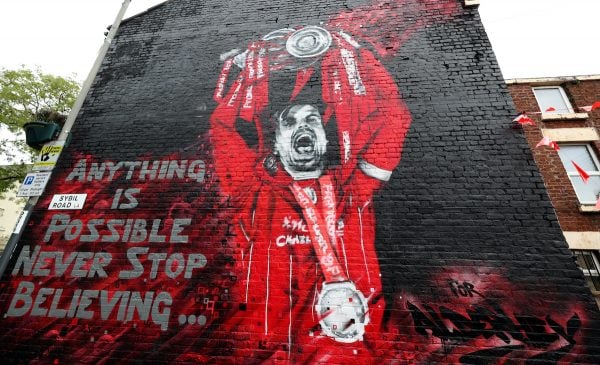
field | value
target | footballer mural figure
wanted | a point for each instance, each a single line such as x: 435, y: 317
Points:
x: 309, y: 124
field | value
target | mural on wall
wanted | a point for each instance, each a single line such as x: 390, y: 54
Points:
x: 304, y: 222
x: 257, y: 244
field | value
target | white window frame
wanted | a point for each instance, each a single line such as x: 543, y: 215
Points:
x: 596, y: 162
x: 587, y: 272
x: 563, y: 95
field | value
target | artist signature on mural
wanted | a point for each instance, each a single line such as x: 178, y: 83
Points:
x: 526, y: 336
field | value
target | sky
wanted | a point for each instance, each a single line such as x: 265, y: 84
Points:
x: 531, y: 38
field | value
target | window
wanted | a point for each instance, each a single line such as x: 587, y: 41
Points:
x: 589, y: 264
x: 584, y: 156
x: 552, y: 97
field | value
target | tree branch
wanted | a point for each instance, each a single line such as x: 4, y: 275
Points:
x: 9, y: 178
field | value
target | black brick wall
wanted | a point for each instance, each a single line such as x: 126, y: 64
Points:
x: 466, y: 203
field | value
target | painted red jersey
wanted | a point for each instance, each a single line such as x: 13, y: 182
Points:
x: 279, y: 278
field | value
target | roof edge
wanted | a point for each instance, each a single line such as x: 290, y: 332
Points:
x: 141, y: 13
x: 467, y: 3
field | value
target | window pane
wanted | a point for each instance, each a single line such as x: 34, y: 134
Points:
x: 578, y: 153
x: 552, y: 97
x: 594, y: 282
x: 587, y: 193
x: 579, y: 256
x: 588, y: 263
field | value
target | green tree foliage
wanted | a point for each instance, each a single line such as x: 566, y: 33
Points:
x: 28, y: 95
x: 11, y: 173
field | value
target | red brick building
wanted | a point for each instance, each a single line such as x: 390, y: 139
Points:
x: 560, y: 108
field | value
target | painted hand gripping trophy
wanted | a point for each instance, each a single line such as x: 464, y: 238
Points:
x: 308, y: 125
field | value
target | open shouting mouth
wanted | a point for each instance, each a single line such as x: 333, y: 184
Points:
x: 304, y: 143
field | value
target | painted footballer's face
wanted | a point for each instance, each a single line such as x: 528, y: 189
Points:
x: 300, y: 141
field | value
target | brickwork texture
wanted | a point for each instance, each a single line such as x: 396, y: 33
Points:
x: 565, y: 201
x: 298, y: 182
